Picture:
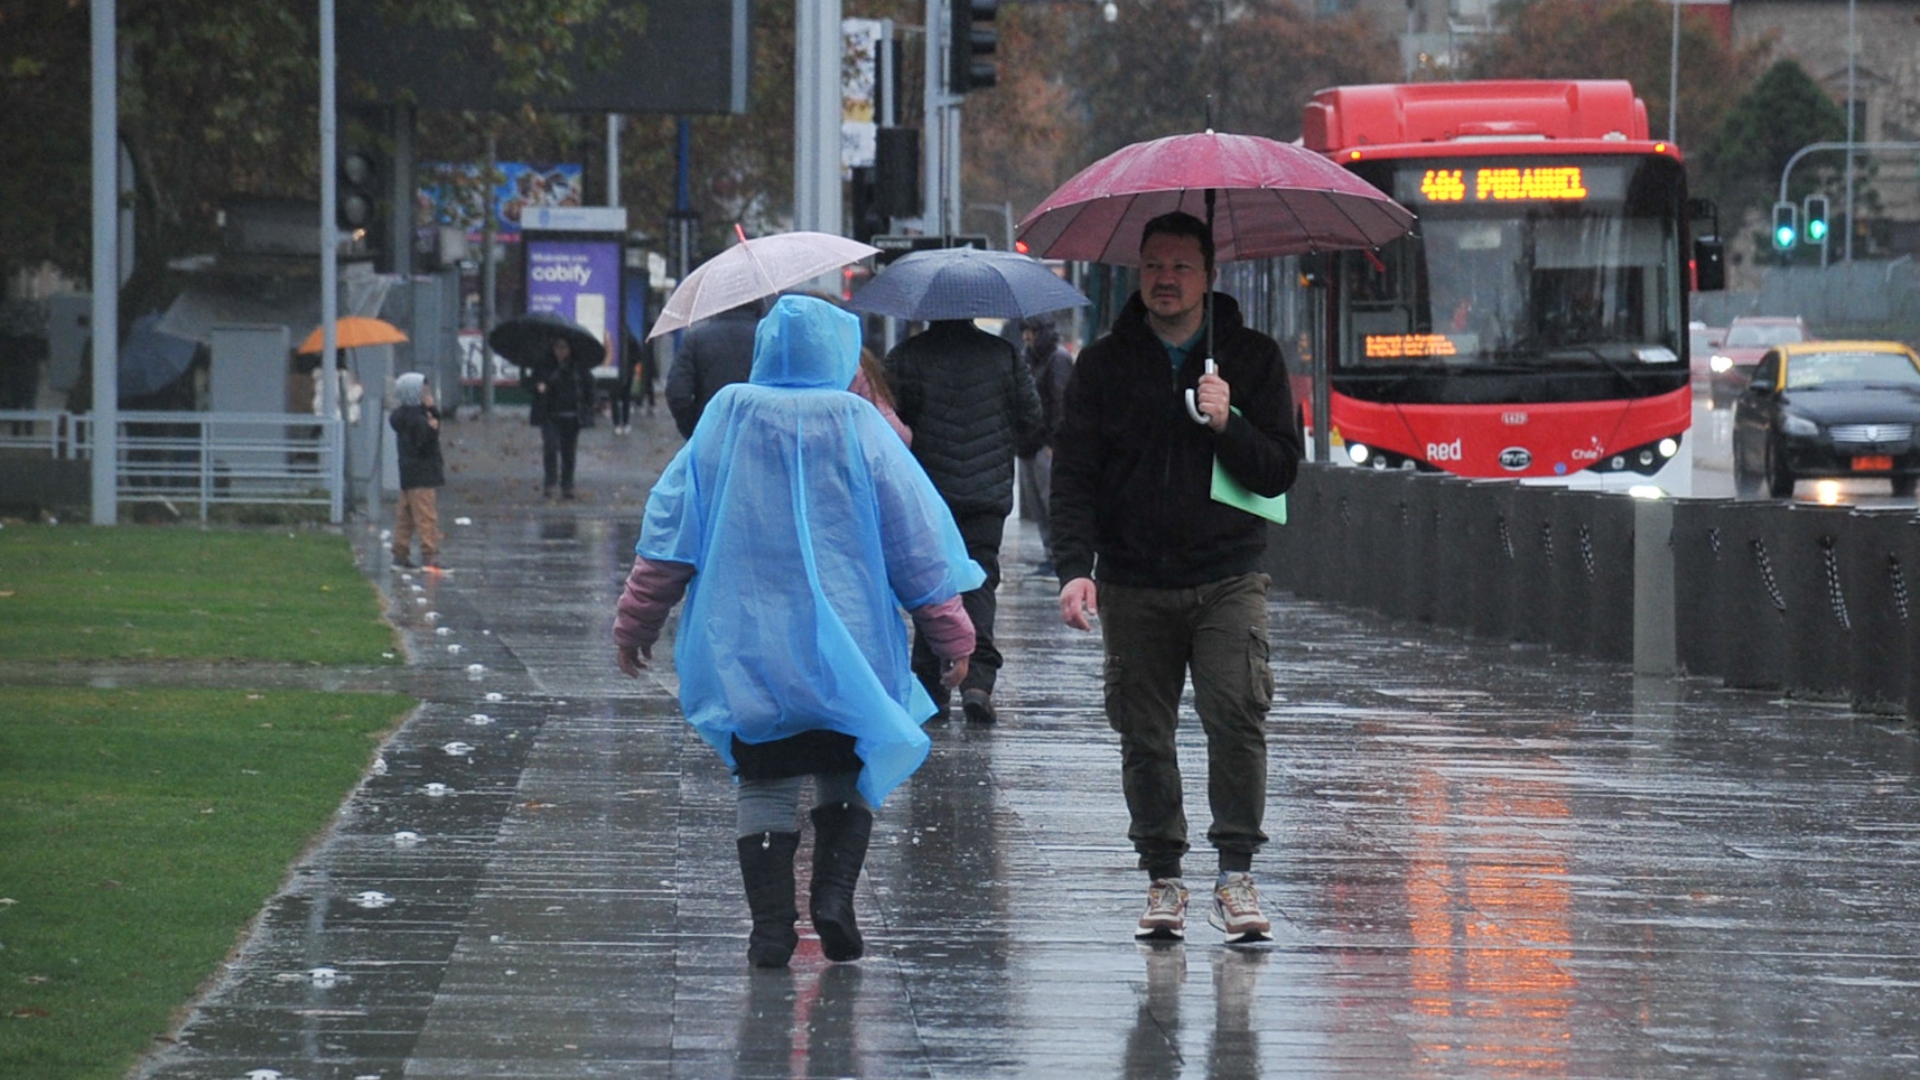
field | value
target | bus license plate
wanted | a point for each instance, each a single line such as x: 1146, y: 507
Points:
x: 1873, y: 463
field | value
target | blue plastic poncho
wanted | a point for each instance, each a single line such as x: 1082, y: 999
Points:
x: 809, y: 525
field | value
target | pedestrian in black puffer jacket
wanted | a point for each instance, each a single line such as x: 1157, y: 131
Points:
x: 970, y: 400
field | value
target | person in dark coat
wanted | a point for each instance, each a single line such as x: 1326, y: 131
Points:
x: 714, y: 353
x: 562, y: 396
x: 416, y: 437
x: 969, y: 399
x: 1051, y: 365
x: 1180, y: 586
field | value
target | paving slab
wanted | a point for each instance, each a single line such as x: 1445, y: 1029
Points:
x: 1487, y: 861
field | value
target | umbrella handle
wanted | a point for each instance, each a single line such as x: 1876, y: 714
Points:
x: 1193, y: 409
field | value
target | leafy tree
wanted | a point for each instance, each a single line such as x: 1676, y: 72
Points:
x: 1150, y: 72
x: 1783, y: 112
x: 215, y: 97
x: 1623, y: 39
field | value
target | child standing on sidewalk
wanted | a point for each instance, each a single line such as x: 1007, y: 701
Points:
x: 416, y: 429
x: 798, y: 526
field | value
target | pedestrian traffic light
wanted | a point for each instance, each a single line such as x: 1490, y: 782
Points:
x: 1785, y: 231
x: 1815, y: 229
x: 969, y: 38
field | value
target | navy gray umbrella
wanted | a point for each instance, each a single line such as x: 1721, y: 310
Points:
x: 525, y: 340
x: 965, y: 283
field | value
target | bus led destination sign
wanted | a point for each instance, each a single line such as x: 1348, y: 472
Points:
x: 1504, y: 184
x: 1408, y: 346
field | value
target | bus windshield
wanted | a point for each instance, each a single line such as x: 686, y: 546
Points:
x: 1520, y: 265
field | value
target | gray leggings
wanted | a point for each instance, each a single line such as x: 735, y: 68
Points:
x: 765, y: 806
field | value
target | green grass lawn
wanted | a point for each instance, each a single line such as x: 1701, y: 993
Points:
x: 141, y: 830
x: 169, y: 593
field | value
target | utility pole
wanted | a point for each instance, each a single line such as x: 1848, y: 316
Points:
x: 106, y: 289
x: 816, y: 116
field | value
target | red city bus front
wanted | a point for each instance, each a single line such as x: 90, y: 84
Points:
x: 1534, y: 326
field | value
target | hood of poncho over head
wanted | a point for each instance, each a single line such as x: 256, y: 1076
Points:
x: 804, y: 342
x: 410, y: 387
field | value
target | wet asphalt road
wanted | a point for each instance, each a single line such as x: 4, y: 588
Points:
x: 1487, y: 862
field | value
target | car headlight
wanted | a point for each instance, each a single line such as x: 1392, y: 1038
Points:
x: 1720, y: 363
x: 1798, y: 425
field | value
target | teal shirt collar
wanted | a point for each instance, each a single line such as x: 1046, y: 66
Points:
x: 1178, y: 353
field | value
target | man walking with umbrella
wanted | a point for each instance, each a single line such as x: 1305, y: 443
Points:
x: 1179, y: 580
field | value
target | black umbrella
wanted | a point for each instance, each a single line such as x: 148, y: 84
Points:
x: 527, y: 340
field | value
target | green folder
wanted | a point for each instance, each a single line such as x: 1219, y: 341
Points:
x: 1230, y: 491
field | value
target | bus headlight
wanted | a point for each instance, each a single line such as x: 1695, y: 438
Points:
x: 1669, y: 447
x: 1358, y: 453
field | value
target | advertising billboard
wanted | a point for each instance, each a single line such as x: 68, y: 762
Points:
x: 579, y: 279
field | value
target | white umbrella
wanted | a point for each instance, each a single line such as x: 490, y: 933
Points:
x: 752, y: 269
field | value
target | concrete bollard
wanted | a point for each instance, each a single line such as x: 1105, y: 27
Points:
x: 1809, y: 571
x: 1453, y: 547
x: 1534, y: 551
x: 1571, y: 583
x: 1489, y: 559
x: 1754, y: 608
x: 1423, y: 494
x: 1876, y: 580
x: 1655, y: 649
x: 1702, y: 573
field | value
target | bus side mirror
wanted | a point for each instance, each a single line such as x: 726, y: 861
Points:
x: 1709, y: 254
x: 1709, y: 264
x: 1316, y: 270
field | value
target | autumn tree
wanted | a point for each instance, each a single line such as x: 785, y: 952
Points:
x: 1624, y: 39
x: 1151, y: 71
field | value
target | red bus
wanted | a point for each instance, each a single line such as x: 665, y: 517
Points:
x: 1535, y: 324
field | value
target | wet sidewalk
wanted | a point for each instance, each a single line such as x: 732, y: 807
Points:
x: 1486, y: 862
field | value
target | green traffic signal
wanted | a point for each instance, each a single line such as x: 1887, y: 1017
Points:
x: 1785, y: 230
x: 1816, y: 228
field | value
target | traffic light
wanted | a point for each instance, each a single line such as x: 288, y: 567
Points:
x: 969, y: 38
x: 359, y: 204
x: 1785, y: 230
x: 1814, y: 231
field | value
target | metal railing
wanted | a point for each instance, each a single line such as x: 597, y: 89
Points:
x: 201, y: 459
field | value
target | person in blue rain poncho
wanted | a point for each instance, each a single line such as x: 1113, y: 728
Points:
x: 797, y: 525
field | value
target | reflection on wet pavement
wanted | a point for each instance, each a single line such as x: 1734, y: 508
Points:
x: 1487, y: 862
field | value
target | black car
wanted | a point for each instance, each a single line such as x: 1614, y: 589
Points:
x: 1828, y: 409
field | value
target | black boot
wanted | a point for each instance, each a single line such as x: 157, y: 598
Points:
x: 840, y: 833
x: 766, y: 868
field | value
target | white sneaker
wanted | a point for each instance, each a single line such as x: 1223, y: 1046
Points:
x: 1236, y: 910
x: 1166, y: 915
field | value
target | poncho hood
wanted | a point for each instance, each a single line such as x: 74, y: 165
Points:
x: 804, y: 342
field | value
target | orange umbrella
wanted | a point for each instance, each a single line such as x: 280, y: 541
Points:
x: 354, y: 331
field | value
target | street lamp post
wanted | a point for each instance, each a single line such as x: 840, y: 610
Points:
x: 1673, y: 79
x: 1853, y: 40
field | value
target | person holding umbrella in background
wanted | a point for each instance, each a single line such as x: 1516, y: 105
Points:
x: 970, y: 402
x: 556, y: 357
x: 560, y: 402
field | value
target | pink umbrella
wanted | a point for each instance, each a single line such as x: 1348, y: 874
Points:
x: 1272, y: 198
x: 1260, y: 198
